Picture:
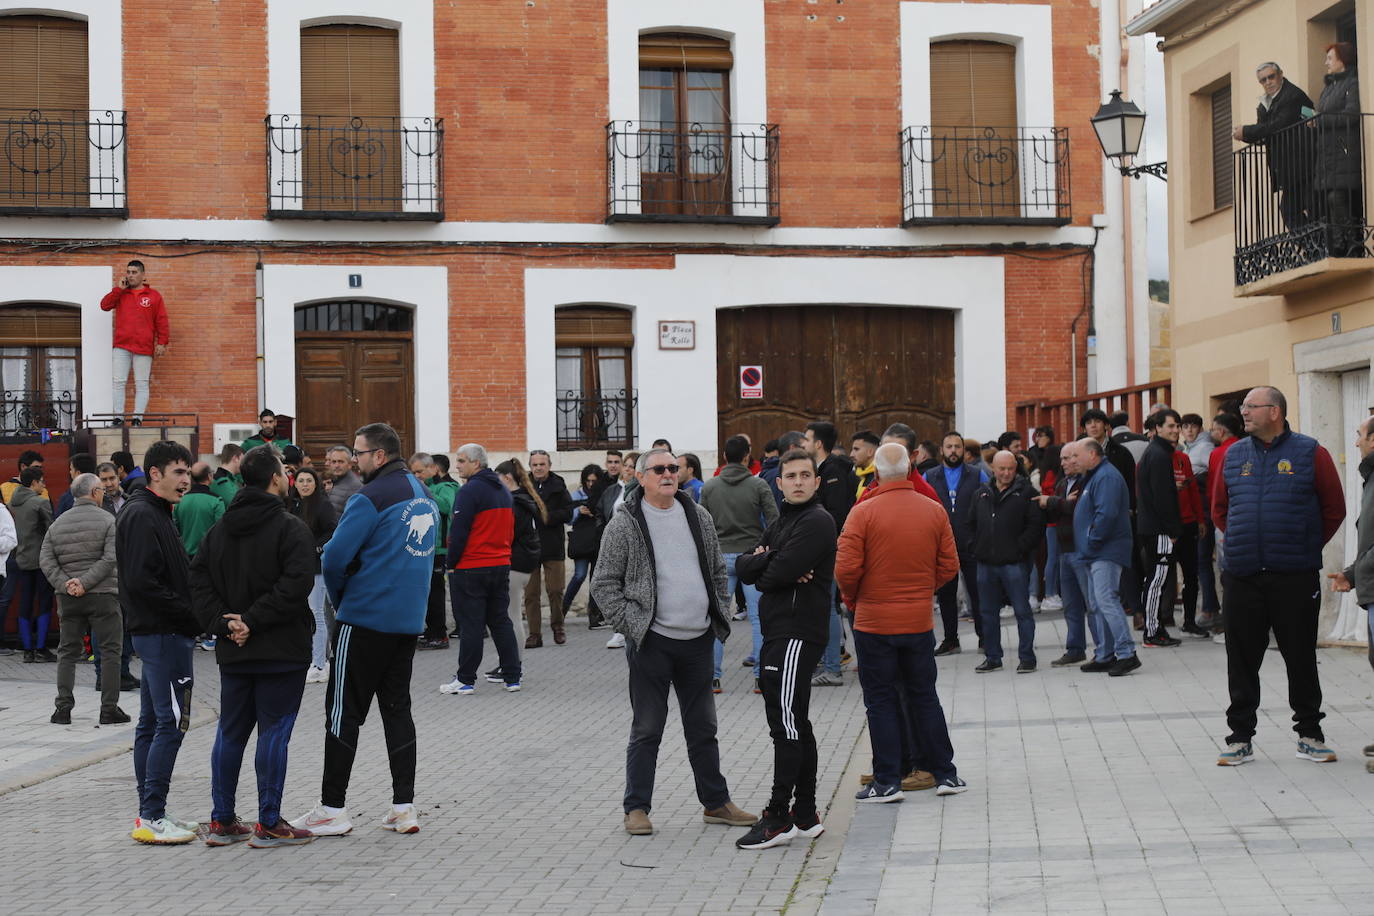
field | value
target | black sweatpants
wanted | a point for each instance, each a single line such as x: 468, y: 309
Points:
x: 436, y: 615
x: 368, y: 663
x: 785, y: 667
x: 1160, y: 584
x: 1287, y: 603
x: 947, y: 597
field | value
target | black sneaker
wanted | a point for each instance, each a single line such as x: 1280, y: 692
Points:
x: 433, y: 644
x: 988, y: 665
x: 44, y: 655
x: 951, y: 786
x: 114, y: 716
x: 1067, y: 659
x: 1025, y: 667
x: 807, y: 823
x: 28, y: 657
x: 1162, y: 640
x: 129, y: 683
x: 874, y: 793
x: 494, y: 676
x: 1125, y: 666
x: 136, y: 421
x: 948, y: 647
x: 1094, y: 666
x: 1195, y: 631
x: 771, y: 830
x: 454, y: 634
x: 117, y: 421
x: 597, y: 625
x: 61, y: 717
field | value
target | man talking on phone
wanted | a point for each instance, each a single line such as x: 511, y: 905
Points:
x: 140, y: 333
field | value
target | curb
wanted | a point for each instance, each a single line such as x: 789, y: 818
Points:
x: 808, y: 893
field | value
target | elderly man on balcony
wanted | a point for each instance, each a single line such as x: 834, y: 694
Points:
x: 1290, y: 153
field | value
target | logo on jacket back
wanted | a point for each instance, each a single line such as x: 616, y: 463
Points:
x: 421, y: 527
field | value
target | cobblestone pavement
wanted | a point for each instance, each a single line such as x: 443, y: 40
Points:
x: 1086, y: 795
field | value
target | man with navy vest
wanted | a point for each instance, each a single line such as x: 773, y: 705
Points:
x: 956, y: 483
x: 377, y: 569
x: 1278, y: 501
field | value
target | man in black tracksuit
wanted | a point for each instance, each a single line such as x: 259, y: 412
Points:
x: 1159, y: 524
x: 794, y: 569
x: 250, y: 584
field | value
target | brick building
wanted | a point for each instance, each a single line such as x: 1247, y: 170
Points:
x: 564, y: 224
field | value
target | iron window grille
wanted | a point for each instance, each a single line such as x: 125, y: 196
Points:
x: 63, y: 163
x: 27, y: 412
x: 596, y: 420
x: 995, y: 175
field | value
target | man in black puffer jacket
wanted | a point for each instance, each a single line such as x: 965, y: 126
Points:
x: 794, y: 569
x: 250, y: 585
x: 1007, y: 526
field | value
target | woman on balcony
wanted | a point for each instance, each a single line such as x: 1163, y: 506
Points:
x: 1339, y: 179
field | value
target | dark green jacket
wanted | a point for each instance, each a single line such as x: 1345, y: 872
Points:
x: 198, y: 510
x: 278, y: 443
x: 444, y: 493
x: 225, y: 485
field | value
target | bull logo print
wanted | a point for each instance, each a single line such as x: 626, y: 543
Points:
x: 421, y: 524
x: 1285, y: 467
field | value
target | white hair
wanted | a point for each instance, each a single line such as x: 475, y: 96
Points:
x: 642, y: 464
x: 892, y: 461
x: 84, y: 485
x: 474, y: 453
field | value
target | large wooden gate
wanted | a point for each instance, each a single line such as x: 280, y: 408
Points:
x: 861, y: 367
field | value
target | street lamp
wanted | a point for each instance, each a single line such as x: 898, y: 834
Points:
x: 1119, y: 126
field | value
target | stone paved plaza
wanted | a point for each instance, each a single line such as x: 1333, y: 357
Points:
x: 1087, y: 794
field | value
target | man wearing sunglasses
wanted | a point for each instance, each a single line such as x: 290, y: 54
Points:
x: 1290, y: 150
x: 660, y: 580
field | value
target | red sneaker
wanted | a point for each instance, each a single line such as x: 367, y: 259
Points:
x: 283, y: 834
x: 227, y: 833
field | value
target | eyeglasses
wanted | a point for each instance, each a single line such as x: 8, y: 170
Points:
x: 1249, y: 407
x: 1270, y: 78
x: 664, y: 468
x: 359, y: 452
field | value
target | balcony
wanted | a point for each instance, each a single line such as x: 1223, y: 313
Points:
x: 1009, y: 176
x: 1299, y: 207
x: 326, y: 167
x: 604, y: 419
x: 62, y: 163
x: 26, y: 413
x: 669, y: 172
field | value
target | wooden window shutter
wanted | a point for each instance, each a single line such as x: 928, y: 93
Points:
x: 40, y: 325
x: 350, y: 71
x: 1222, y: 184
x: 43, y: 64
x: 593, y: 326
x: 972, y: 84
x: 682, y: 50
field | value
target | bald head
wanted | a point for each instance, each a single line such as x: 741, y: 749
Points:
x: 1004, y: 468
x: 1090, y: 453
x: 892, y: 462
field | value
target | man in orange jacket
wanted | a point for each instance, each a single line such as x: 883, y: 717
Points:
x: 896, y: 549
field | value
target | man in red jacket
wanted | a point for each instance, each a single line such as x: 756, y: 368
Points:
x: 140, y: 333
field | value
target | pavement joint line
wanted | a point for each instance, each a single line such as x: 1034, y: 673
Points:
x: 818, y: 868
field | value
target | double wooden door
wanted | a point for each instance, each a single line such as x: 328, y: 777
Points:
x: 345, y: 382
x: 860, y: 367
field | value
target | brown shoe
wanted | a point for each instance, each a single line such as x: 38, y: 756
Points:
x: 865, y: 779
x: 534, y: 642
x: 730, y: 814
x: 637, y: 823
x: 559, y: 636
x: 917, y: 780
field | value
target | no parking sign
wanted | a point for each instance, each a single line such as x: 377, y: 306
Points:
x: 750, y: 382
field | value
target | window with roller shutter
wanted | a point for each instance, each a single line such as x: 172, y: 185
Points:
x: 973, y: 134
x: 1222, y: 176
x: 596, y: 400
x: 40, y: 368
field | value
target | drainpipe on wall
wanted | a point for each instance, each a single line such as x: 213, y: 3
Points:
x: 261, y: 335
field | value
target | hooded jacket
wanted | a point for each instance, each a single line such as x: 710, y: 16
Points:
x: 525, y: 546
x: 32, y: 519
x: 140, y: 319
x: 1007, y: 524
x: 740, y: 506
x: 154, y: 572
x: 259, y: 562
x: 838, y: 487
x: 801, y: 541
x: 483, y: 523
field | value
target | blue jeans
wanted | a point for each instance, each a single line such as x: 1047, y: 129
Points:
x: 998, y: 584
x: 830, y: 658
x: 896, y: 667
x: 580, y: 570
x: 319, y: 644
x: 1076, y: 590
x: 1104, y: 599
x: 1052, y: 583
x: 270, y: 703
x: 164, y: 715
x: 751, y: 605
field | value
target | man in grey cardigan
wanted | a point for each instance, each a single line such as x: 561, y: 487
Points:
x: 670, y: 610
x: 1359, y: 575
x: 78, y: 558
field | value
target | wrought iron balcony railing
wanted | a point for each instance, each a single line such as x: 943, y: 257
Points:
x: 665, y: 171
x: 327, y: 167
x: 1299, y: 197
x: 603, y: 419
x: 62, y: 163
x: 997, y: 175
x: 27, y: 412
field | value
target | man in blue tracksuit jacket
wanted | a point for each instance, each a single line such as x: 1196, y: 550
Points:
x: 377, y: 569
x: 1102, y: 534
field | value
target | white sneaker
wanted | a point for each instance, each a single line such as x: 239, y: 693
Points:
x: 161, y: 832
x: 323, y: 820
x: 1052, y: 603
x: 616, y: 642
x: 1219, y: 639
x: 317, y: 675
x: 1035, y: 604
x: 1007, y: 612
x: 402, y: 819
x: 456, y: 686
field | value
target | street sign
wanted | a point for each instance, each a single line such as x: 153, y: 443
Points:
x: 750, y: 382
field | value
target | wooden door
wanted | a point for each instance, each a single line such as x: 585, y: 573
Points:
x: 861, y: 367
x: 974, y: 129
x: 345, y: 382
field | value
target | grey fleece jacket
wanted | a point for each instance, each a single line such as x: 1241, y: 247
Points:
x: 741, y: 505
x: 81, y: 545
x: 625, y: 581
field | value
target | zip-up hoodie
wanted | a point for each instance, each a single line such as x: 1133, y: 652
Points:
x: 140, y: 318
x: 378, y: 564
x: 483, y: 523
x: 154, y: 572
x: 802, y: 540
x: 741, y: 507
x: 258, y: 561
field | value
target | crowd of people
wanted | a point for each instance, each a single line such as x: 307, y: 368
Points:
x: 295, y: 575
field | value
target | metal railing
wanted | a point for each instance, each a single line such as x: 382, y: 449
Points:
x: 62, y: 163
x: 665, y: 171
x: 1062, y: 414
x: 604, y: 419
x: 1000, y: 175
x: 327, y: 167
x: 1299, y: 197
x: 28, y: 412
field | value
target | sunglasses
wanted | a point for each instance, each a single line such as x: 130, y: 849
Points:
x: 664, y: 468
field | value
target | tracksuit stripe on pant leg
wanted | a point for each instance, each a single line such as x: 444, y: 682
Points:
x: 1158, y: 578
x: 789, y: 688
x: 337, y: 673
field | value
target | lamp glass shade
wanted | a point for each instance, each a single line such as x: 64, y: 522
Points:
x: 1119, y: 126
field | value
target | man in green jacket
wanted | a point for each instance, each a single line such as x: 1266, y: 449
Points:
x: 227, y: 480
x: 444, y: 492
x: 267, y: 433
x: 198, y: 510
